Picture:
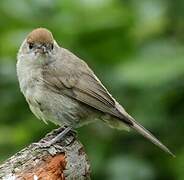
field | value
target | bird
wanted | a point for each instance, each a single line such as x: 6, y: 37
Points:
x: 61, y: 87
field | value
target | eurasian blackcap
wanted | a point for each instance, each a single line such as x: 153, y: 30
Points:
x: 60, y: 87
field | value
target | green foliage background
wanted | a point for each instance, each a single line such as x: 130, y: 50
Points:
x: 136, y: 48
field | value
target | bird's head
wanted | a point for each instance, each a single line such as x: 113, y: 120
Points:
x: 38, y: 44
x: 40, y: 41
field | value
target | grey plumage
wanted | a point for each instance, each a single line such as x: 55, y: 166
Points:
x: 61, y: 87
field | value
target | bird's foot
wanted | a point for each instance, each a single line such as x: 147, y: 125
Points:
x: 59, y: 137
x: 42, y: 144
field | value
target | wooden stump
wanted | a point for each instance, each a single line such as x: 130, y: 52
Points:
x: 63, y: 160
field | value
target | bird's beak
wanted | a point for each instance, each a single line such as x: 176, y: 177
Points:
x: 41, y: 50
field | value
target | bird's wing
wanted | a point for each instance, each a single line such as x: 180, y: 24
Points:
x: 85, y: 87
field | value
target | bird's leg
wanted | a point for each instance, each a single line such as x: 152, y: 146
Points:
x: 55, y: 139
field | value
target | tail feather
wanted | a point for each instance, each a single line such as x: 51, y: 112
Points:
x: 140, y: 129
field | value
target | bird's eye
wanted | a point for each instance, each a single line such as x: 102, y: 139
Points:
x: 52, y: 46
x: 30, y: 45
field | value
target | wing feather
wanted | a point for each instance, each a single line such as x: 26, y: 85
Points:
x: 84, y: 87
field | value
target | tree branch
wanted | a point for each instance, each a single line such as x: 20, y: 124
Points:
x: 64, y: 160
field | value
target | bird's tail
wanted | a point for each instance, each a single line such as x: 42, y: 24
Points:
x: 140, y: 129
x: 125, y: 121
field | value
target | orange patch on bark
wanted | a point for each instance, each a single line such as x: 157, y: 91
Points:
x: 51, y: 169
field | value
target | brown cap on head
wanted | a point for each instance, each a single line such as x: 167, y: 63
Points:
x: 40, y: 35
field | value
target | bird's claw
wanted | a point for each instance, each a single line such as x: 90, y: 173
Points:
x: 42, y: 144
